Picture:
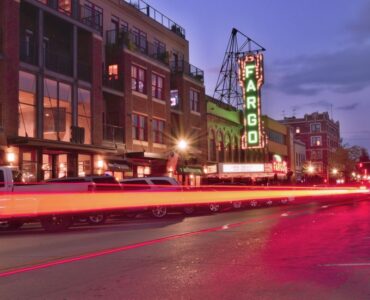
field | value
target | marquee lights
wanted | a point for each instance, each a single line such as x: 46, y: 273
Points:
x: 251, y: 80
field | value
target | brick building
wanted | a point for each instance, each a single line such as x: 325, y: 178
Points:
x: 94, y: 86
x: 321, y: 135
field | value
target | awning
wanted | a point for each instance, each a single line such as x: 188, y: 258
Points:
x: 59, y: 145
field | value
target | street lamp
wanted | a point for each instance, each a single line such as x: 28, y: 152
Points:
x: 334, y: 171
x: 182, y: 145
x: 310, y: 169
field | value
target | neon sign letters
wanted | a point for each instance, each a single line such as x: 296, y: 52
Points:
x: 251, y: 80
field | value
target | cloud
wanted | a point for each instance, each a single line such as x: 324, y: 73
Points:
x: 359, y: 28
x: 344, y: 71
x: 351, y: 106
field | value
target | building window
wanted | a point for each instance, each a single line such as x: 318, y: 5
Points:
x: 158, y: 131
x: 138, y: 76
x: 160, y: 50
x: 315, y: 127
x: 316, y: 141
x: 65, y: 6
x: 84, y: 113
x: 27, y: 105
x: 194, y: 101
x: 92, y: 15
x: 297, y: 130
x: 276, y: 137
x: 140, y: 39
x: 113, y: 72
x: 57, y: 110
x: 139, y: 127
x: 157, y: 86
x: 316, y: 154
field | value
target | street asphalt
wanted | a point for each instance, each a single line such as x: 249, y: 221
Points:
x: 314, y: 250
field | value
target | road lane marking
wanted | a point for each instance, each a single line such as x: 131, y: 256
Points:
x: 347, y: 265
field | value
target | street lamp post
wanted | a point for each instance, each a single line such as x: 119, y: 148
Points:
x: 182, y: 145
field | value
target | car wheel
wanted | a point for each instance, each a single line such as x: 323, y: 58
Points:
x: 56, y: 223
x: 253, y: 203
x: 189, y: 210
x: 237, y: 204
x: 284, y: 201
x: 213, y: 207
x: 97, y: 219
x: 269, y: 202
x: 159, y: 211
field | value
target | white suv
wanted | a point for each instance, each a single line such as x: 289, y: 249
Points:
x: 162, y: 183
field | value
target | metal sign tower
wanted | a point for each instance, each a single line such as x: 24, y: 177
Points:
x: 228, y: 89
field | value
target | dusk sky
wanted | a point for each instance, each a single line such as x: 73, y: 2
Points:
x: 317, y: 58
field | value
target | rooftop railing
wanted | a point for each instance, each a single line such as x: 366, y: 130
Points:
x: 156, y: 15
x: 182, y: 66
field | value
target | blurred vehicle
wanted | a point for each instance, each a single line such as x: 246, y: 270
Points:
x: 160, y: 183
x: 92, y: 183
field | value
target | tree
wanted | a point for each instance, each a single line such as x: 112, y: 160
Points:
x: 344, y: 159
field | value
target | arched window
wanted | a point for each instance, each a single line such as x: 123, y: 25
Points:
x: 228, y: 148
x: 212, y: 146
x: 236, y: 150
x: 220, y: 147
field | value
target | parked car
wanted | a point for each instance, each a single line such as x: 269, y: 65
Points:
x: 161, y: 183
x: 93, y: 183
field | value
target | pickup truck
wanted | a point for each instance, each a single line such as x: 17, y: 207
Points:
x: 12, y: 188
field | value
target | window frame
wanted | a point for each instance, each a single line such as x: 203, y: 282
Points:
x: 194, y: 101
x: 136, y: 72
x: 158, y: 132
x: 139, y: 127
x: 157, y: 90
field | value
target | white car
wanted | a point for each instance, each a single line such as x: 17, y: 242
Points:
x: 151, y: 183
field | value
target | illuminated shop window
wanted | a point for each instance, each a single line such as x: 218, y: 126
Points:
x: 27, y: 105
x: 84, y: 113
x: 113, y: 72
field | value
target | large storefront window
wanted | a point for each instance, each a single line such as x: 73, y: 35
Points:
x: 27, y: 105
x: 84, y: 165
x: 84, y: 113
x: 57, y: 110
x: 29, y: 166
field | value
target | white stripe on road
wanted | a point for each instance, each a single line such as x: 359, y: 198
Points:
x: 347, y: 265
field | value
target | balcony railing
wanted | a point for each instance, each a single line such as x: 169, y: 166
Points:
x: 181, y: 66
x: 28, y: 51
x: 156, y: 15
x: 112, y: 133
x: 85, y: 14
x: 123, y: 39
x: 113, y: 82
x: 58, y: 62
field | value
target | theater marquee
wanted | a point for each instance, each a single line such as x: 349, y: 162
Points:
x: 251, y: 80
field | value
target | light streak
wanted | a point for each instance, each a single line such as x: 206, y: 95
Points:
x: 37, y: 204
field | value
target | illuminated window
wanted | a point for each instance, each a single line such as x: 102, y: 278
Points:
x: 27, y: 105
x: 297, y: 130
x: 157, y: 86
x: 113, y: 72
x: 57, y: 110
x: 65, y: 6
x: 138, y: 79
x: 316, y: 141
x: 194, y: 101
x: 158, y: 131
x: 84, y: 113
x: 139, y: 127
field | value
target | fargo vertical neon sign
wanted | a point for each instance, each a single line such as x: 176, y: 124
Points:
x: 251, y: 80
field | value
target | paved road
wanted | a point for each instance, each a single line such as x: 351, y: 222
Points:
x: 308, y: 251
